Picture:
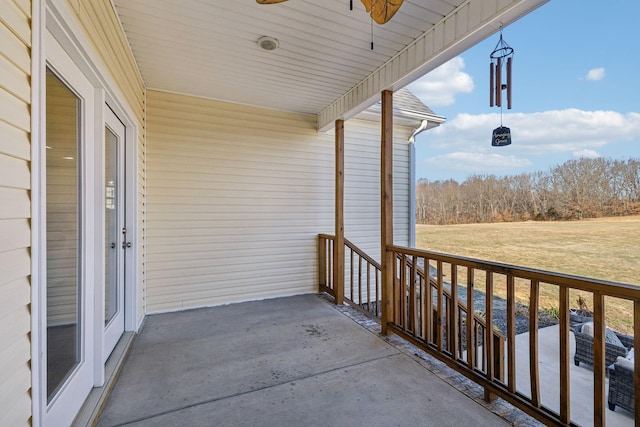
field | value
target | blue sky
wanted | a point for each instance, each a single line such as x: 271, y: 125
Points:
x: 576, y: 93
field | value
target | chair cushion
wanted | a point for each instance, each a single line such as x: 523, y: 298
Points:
x: 587, y: 328
x: 624, y: 362
x: 611, y: 337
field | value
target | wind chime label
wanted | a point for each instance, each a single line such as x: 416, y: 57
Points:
x: 501, y: 136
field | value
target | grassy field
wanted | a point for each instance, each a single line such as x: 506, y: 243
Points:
x: 601, y: 248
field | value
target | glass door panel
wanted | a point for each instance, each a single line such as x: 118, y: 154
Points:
x: 64, y: 335
x: 112, y: 231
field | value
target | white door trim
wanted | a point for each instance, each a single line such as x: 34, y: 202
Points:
x: 56, y: 17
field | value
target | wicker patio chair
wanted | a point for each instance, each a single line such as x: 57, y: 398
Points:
x: 584, y: 347
x: 620, y: 387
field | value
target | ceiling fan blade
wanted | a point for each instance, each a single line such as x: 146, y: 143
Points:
x: 382, y: 10
x: 269, y: 1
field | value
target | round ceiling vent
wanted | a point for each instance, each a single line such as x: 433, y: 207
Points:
x: 268, y: 43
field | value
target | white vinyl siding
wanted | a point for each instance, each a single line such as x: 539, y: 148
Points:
x: 362, y: 185
x: 15, y: 207
x: 236, y: 197
x: 103, y: 28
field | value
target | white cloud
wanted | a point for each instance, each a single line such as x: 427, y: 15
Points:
x: 596, y: 74
x: 556, y: 131
x: 473, y: 162
x: 590, y: 154
x: 441, y: 85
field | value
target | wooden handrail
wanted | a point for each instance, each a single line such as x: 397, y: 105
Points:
x: 362, y: 254
x: 612, y: 289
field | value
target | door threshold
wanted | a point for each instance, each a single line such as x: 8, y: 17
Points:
x: 94, y: 404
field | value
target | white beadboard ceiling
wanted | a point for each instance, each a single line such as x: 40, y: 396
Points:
x: 208, y: 48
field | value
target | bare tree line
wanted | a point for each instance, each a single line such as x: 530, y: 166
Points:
x: 576, y: 189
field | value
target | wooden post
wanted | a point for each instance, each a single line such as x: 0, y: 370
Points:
x: 338, y: 249
x: 386, y: 209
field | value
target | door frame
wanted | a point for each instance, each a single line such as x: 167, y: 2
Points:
x: 56, y: 17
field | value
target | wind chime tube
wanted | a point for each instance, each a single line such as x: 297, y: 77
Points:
x: 509, y: 83
x: 499, y: 82
x: 491, y: 87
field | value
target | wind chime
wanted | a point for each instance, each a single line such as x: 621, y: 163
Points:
x: 501, y: 57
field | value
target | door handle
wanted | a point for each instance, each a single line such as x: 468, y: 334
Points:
x: 126, y: 245
x: 113, y: 245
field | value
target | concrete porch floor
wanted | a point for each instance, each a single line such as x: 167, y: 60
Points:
x: 295, y: 361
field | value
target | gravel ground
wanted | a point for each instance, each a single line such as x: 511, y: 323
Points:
x: 500, y: 311
x: 499, y: 308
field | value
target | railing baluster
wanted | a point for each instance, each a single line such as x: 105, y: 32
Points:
x: 397, y: 292
x: 488, y: 336
x: 452, y: 341
x: 403, y: 291
x: 534, y: 373
x: 378, y: 291
x: 439, y: 322
x: 565, y: 403
x: 368, y: 287
x: 424, y: 283
x: 598, y: 360
x: 511, y: 333
x: 321, y: 252
x: 360, y: 281
x: 471, y: 319
x: 461, y: 342
x: 330, y: 264
x: 414, y: 296
x: 351, y: 273
x: 428, y: 301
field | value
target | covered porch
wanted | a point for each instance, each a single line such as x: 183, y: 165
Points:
x: 288, y: 361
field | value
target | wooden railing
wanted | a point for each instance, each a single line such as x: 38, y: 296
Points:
x: 410, y: 281
x: 363, y: 292
x: 448, y: 336
x: 362, y: 288
x: 441, y: 337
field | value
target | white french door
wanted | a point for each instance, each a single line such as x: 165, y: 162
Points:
x: 70, y: 237
x: 116, y: 242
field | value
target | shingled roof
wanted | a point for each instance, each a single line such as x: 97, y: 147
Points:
x: 408, y: 110
x: 405, y: 100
